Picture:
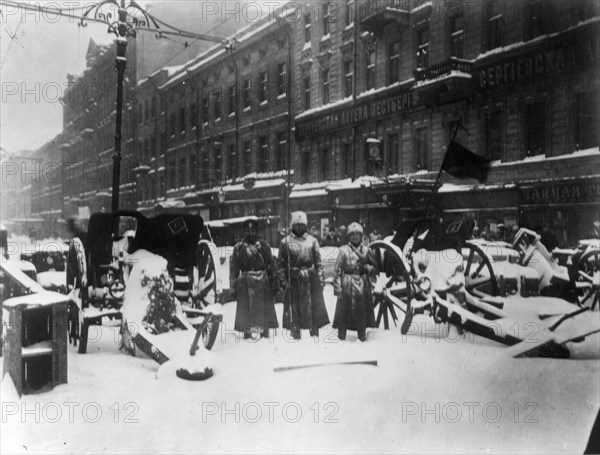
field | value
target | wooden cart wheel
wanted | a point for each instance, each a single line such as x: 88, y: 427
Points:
x: 205, y: 286
x: 77, y: 281
x: 393, y: 287
x: 479, y: 273
x: 209, y: 333
x: 588, y: 279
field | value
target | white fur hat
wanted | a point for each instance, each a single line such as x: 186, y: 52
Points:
x: 299, y: 218
x: 355, y: 227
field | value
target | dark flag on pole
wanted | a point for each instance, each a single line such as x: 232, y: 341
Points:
x: 462, y: 163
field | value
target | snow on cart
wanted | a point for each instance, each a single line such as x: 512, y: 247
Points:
x: 429, y: 268
x: 156, y: 275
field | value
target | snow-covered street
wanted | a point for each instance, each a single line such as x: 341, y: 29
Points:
x: 431, y: 391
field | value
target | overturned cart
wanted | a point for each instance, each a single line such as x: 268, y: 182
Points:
x: 99, y: 267
x: 423, y: 271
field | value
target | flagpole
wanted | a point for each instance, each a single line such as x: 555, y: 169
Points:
x: 439, y: 174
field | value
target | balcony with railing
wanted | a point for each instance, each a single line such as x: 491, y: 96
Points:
x: 453, y: 74
x: 375, y: 14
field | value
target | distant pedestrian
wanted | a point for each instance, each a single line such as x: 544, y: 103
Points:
x: 343, y: 235
x: 354, y: 267
x: 375, y: 235
x: 500, y: 232
x: 331, y: 239
x: 300, y: 272
x: 315, y: 233
x: 548, y: 238
x: 487, y: 233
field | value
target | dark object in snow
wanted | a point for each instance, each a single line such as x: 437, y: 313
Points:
x: 310, y: 365
x: 196, y: 376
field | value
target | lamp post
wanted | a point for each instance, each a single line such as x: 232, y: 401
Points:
x: 130, y: 17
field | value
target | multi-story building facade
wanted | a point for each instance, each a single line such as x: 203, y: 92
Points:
x: 388, y: 82
x: 356, y: 102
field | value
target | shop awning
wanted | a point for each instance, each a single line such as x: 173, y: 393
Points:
x: 238, y: 220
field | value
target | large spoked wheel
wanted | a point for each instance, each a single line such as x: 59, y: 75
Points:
x: 209, y: 334
x: 205, y: 282
x: 77, y: 282
x: 479, y: 273
x: 392, y: 293
x: 588, y: 279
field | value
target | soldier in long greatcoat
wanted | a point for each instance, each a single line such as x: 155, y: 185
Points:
x: 354, y: 268
x: 301, y: 275
x: 254, y: 281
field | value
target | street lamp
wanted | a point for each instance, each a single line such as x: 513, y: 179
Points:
x: 130, y: 17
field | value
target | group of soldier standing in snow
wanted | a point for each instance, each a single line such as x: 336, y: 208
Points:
x: 256, y: 277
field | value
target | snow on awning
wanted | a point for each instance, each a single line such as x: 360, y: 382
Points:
x: 238, y: 220
x: 171, y: 205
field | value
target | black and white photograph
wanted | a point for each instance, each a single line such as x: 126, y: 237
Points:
x: 284, y: 227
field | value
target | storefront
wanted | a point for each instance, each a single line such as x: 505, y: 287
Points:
x: 569, y: 206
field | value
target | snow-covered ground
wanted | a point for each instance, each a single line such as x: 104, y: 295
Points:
x: 431, y: 391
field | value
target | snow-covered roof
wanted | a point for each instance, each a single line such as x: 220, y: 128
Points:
x: 257, y: 184
x: 453, y: 73
x: 455, y: 188
x: 308, y: 193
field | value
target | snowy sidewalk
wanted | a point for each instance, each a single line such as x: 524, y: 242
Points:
x: 431, y: 392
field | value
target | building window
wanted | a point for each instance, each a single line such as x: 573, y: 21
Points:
x: 536, y: 129
x: 163, y: 142
x: 145, y: 152
x: 204, y: 169
x: 247, y: 93
x: 347, y: 160
x: 325, y: 164
x: 394, y: 71
x: 182, y: 168
x: 152, y: 146
x: 217, y: 106
x: 162, y: 187
x: 348, y: 76
x: 146, y: 110
x: 231, y: 101
x: 307, y: 28
x: 495, y: 25
x: 588, y: 119
x: 493, y: 135
x: 231, y: 161
x: 182, y: 120
x: 193, y: 168
x: 262, y: 88
x: 263, y: 154
x: 153, y: 108
x: 218, y: 168
x: 140, y: 113
x: 325, y: 80
x: 421, y: 149
x: 172, y: 174
x: 586, y: 9
x: 172, y: 124
x: 205, y: 109
x: 327, y: 18
x: 306, y: 89
x: 248, y: 157
x: 423, y: 45
x: 537, y: 21
x: 457, y: 35
x: 281, y: 79
x: 349, y: 12
x: 281, y: 157
x: 306, y: 167
x: 194, y: 115
x: 370, y: 70
x: 394, y: 152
